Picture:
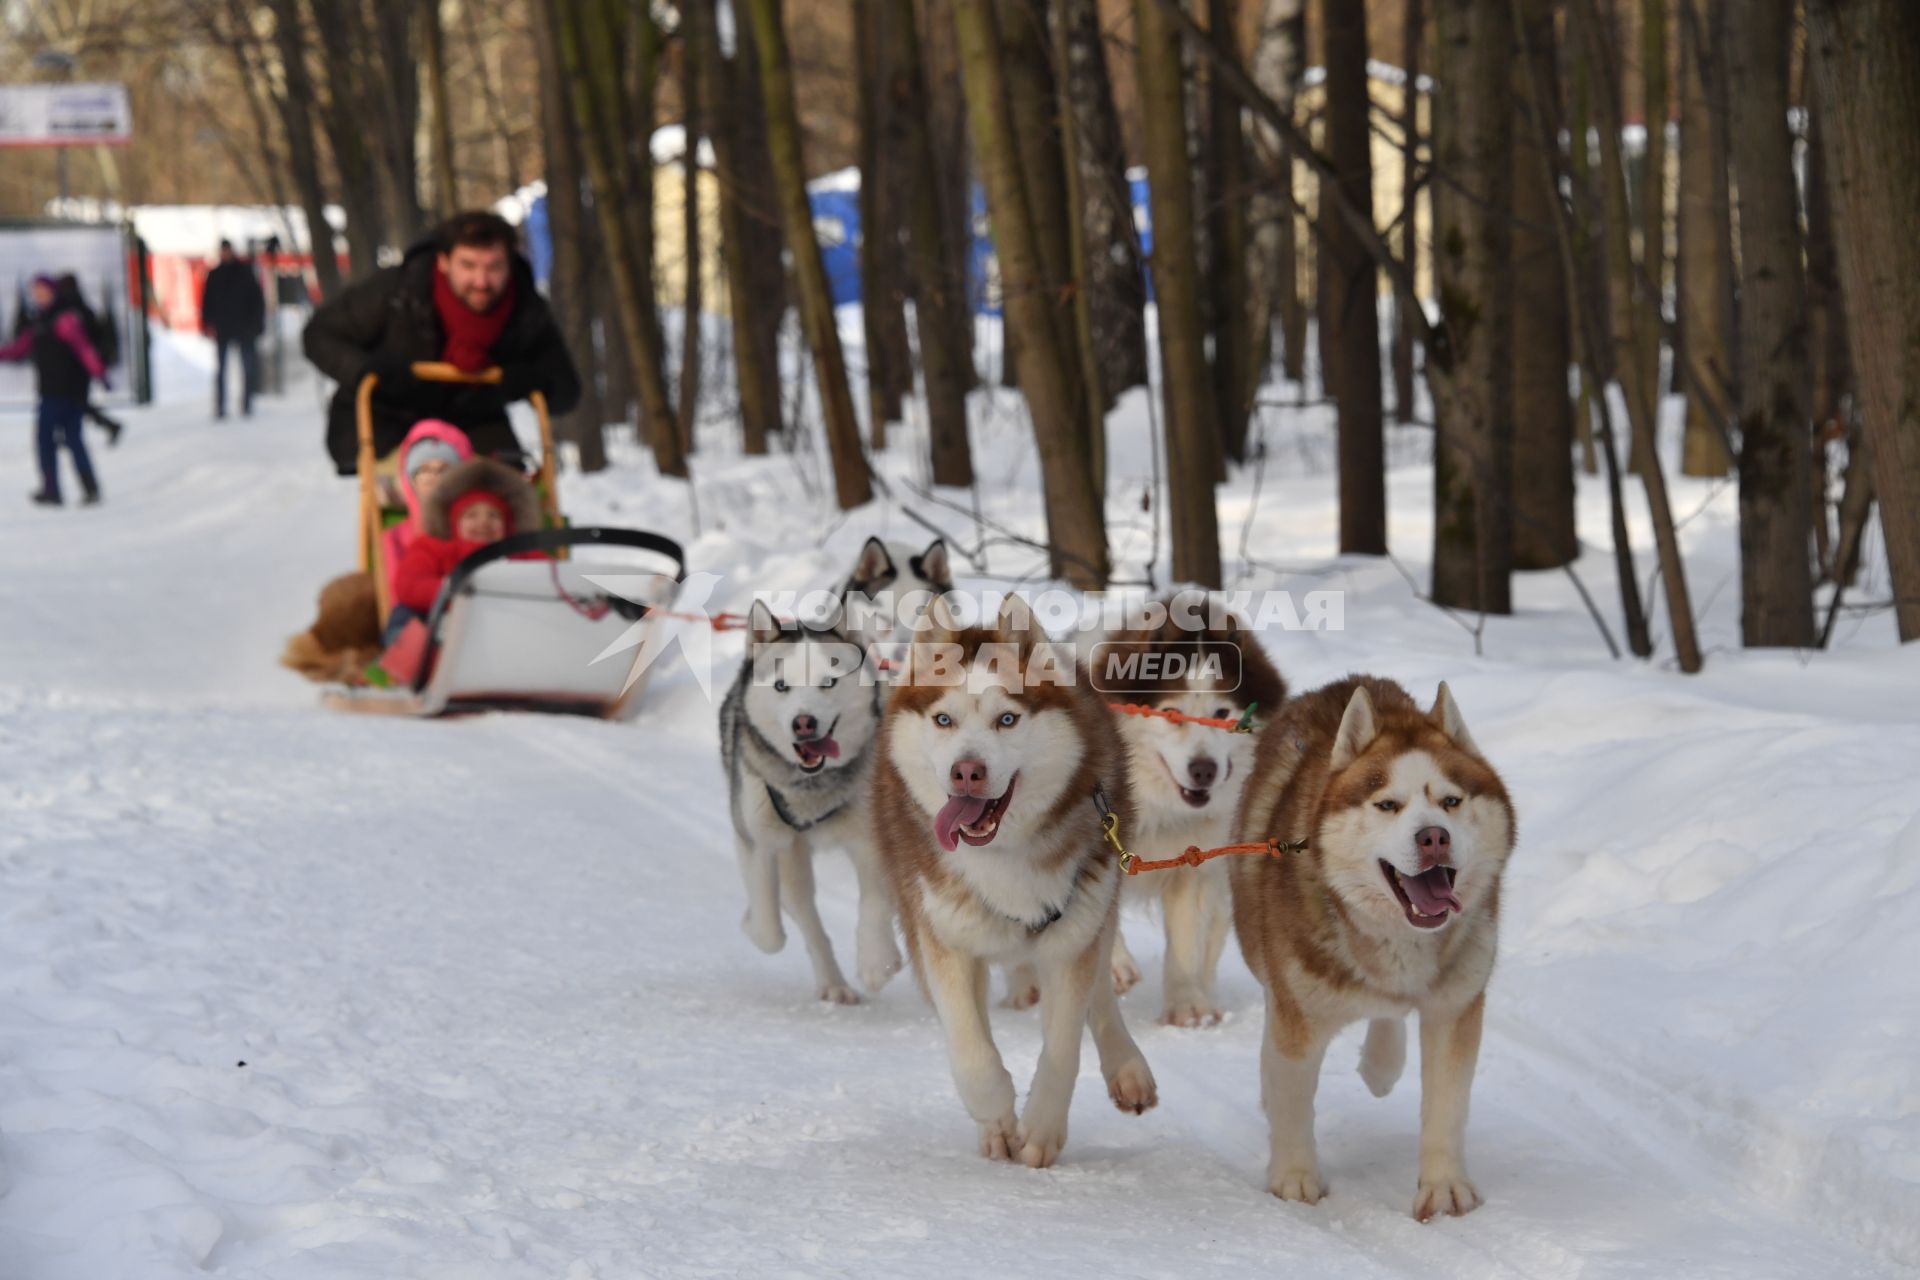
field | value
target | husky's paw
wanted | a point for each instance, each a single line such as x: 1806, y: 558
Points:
x: 1023, y: 987
x: 1041, y: 1139
x: 1023, y: 996
x: 1132, y: 1088
x: 1126, y: 974
x: 1449, y: 1193
x: 765, y: 934
x: 1384, y: 1055
x: 1000, y: 1139
x: 838, y: 993
x: 1303, y: 1185
x: 1190, y: 1009
x: 877, y: 965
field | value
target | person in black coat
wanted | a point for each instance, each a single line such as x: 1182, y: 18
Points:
x: 233, y: 312
x: 466, y: 297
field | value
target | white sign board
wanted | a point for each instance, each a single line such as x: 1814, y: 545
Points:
x: 96, y: 257
x: 64, y: 115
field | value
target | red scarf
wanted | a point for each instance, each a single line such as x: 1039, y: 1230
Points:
x: 470, y: 334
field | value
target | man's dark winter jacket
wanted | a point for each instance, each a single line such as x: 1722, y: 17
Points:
x: 231, y: 303
x: 392, y: 311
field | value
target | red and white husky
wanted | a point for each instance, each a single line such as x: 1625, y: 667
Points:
x: 1392, y: 907
x: 994, y: 763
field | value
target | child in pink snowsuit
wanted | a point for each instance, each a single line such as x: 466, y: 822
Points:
x: 431, y: 449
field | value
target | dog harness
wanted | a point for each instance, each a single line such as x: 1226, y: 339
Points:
x: 785, y: 814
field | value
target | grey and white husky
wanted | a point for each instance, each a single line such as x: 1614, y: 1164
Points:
x: 890, y: 589
x: 796, y: 738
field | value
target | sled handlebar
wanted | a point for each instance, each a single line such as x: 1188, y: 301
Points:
x: 439, y: 371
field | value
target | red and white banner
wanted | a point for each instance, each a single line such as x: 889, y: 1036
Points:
x: 65, y: 115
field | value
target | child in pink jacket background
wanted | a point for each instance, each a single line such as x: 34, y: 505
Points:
x: 64, y: 367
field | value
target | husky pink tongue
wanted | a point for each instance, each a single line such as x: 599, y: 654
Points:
x: 817, y: 749
x: 1430, y: 893
x: 957, y: 812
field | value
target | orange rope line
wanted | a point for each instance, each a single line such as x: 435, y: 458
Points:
x: 1181, y: 717
x: 1134, y: 865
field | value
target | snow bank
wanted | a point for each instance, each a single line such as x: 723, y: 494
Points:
x: 496, y: 1019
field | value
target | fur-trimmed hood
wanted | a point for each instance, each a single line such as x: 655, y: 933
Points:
x: 487, y: 476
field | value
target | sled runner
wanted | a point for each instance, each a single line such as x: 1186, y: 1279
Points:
x: 517, y: 634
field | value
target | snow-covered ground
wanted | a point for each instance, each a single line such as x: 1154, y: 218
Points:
x: 286, y: 993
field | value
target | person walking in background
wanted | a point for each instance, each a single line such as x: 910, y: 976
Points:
x: 106, y: 344
x: 233, y: 312
x: 64, y: 367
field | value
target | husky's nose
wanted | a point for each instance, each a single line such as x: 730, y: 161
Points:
x: 1204, y: 772
x: 967, y: 778
x: 1435, y: 845
x: 805, y: 727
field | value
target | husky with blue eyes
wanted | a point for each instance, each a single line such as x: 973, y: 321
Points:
x: 997, y: 772
x: 796, y: 737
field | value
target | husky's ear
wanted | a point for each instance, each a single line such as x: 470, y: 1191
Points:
x: 874, y: 563
x: 1446, y: 714
x: 932, y: 564
x: 1016, y: 623
x: 1357, y: 730
x: 762, y: 627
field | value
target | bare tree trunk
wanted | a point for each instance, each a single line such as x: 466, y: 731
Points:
x: 1590, y: 311
x: 1093, y: 394
x: 591, y: 39
x: 1279, y: 57
x: 724, y: 106
x: 1115, y: 284
x: 1027, y: 70
x: 1596, y: 365
x: 1279, y: 48
x: 1350, y: 317
x: 567, y: 226
x: 693, y: 121
x: 1865, y: 57
x: 1226, y: 165
x: 939, y: 300
x: 303, y: 161
x: 1076, y: 525
x: 1704, y: 276
x: 750, y: 225
x: 1776, y: 585
x: 1543, y: 491
x: 851, y: 484
x: 947, y: 118
x: 433, y: 53
x: 1473, y: 448
x: 1830, y: 372
x: 1192, y: 438
x: 368, y: 227
x: 1653, y: 192
x: 882, y: 292
x: 397, y: 78
x: 1403, y: 343
x: 1637, y: 387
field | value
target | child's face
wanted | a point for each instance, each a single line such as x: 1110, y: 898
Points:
x: 427, y: 475
x: 481, y: 522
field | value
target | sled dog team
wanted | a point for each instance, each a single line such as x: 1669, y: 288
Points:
x: 972, y: 791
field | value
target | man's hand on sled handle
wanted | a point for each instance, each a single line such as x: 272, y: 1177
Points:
x: 440, y: 371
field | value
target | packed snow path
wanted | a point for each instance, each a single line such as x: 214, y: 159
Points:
x: 292, y: 994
